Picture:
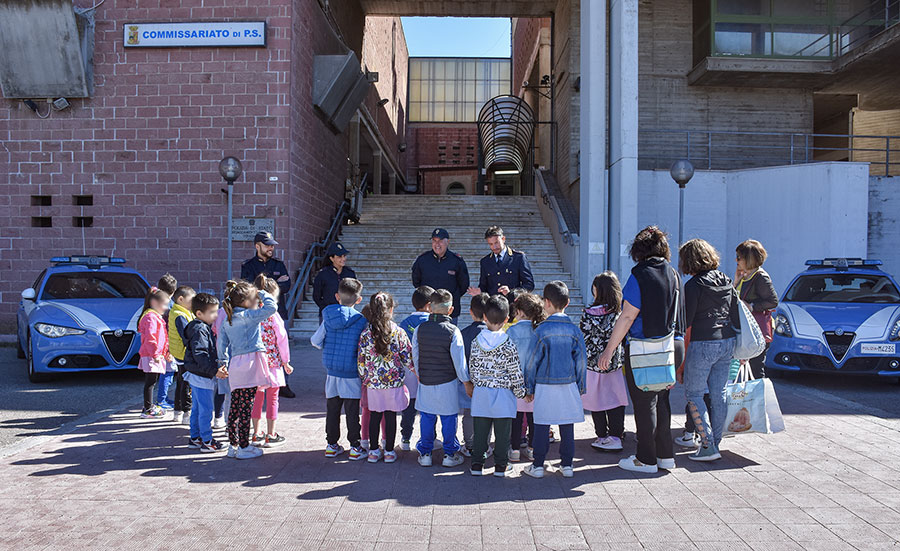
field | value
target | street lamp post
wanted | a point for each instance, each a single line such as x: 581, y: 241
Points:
x: 230, y: 169
x: 682, y: 171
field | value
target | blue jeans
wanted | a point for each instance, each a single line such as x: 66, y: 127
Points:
x: 202, y: 413
x: 541, y: 443
x: 706, y: 366
x: 162, y: 388
x: 427, y: 427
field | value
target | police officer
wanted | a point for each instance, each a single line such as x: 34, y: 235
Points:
x: 504, y: 269
x: 325, y: 285
x: 442, y: 268
x: 265, y: 263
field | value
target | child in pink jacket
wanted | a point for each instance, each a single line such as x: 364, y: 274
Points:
x: 154, y: 351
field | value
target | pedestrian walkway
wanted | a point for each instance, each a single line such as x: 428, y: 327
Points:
x: 829, y: 482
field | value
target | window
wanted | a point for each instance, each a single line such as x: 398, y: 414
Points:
x: 843, y: 288
x: 454, y: 89
x: 93, y: 284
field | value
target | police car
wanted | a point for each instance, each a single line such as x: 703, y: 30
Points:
x: 841, y: 315
x: 81, y: 314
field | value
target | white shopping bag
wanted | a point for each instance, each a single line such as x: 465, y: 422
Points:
x: 752, y: 405
x: 750, y: 340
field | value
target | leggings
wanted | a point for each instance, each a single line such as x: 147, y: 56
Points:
x: 517, y: 426
x: 149, y: 381
x: 390, y: 429
x: 366, y: 415
x: 182, y: 391
x: 239, y: 416
x: 270, y: 397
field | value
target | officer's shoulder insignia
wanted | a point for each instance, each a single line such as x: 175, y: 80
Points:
x: 457, y: 255
x: 248, y: 261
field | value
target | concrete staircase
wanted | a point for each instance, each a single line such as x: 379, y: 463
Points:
x: 395, y: 229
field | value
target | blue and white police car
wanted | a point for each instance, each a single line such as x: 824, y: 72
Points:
x: 841, y: 315
x: 81, y: 314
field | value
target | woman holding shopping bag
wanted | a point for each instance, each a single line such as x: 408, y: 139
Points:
x: 711, y: 312
x: 754, y: 286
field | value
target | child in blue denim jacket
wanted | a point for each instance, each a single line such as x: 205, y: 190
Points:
x: 555, y: 380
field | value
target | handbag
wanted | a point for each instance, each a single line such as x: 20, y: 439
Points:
x: 653, y: 360
x: 764, y: 320
x: 752, y: 405
x: 750, y: 341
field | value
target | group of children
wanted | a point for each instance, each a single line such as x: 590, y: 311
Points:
x: 237, y: 348
x: 520, y: 367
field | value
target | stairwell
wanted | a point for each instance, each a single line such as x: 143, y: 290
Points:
x: 395, y: 229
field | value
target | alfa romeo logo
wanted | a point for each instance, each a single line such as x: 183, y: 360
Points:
x: 838, y: 331
x: 118, y: 333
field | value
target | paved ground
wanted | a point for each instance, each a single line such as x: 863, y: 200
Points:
x: 829, y: 482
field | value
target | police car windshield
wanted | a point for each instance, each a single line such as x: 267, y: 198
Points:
x: 843, y: 288
x: 82, y: 285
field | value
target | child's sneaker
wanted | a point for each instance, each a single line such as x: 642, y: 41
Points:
x: 425, y: 460
x: 515, y: 456
x: 405, y: 445
x: 177, y: 417
x: 607, y: 444
x: 476, y: 469
x: 453, y: 460
x: 357, y: 453
x: 211, y: 446
x: 232, y: 450
x: 166, y: 406
x: 333, y: 450
x: 390, y: 457
x: 257, y: 439
x: 219, y: 422
x: 249, y: 452
x: 567, y: 472
x: 374, y: 455
x: 186, y: 418
x: 195, y: 443
x: 273, y: 440
x: 529, y: 454
x: 534, y: 472
x: 152, y: 413
x: 501, y: 471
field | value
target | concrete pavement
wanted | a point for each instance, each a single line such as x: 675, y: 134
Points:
x: 828, y: 482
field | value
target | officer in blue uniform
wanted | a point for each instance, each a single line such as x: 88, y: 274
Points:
x: 504, y: 269
x: 326, y: 283
x: 441, y: 268
x: 265, y: 263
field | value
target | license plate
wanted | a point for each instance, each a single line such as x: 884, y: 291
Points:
x: 880, y: 349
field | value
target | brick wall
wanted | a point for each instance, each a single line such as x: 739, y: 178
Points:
x: 441, y: 147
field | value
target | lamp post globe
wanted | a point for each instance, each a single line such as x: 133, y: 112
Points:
x: 230, y: 168
x: 681, y: 171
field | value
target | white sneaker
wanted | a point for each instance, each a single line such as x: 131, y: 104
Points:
x: 515, y: 456
x: 687, y: 440
x: 405, y: 445
x: 529, y: 454
x: 453, y: 460
x: 232, y: 450
x: 219, y: 423
x: 374, y: 455
x: 607, y: 444
x: 632, y: 464
x: 425, y: 460
x: 503, y: 473
x: 249, y: 452
x: 534, y: 472
x: 186, y: 418
x: 567, y: 472
x: 665, y: 464
x: 178, y: 417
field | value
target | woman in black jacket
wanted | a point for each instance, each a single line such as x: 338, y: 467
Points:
x: 711, y: 314
x: 755, y: 287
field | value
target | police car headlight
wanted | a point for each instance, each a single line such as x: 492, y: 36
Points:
x: 895, y: 331
x: 56, y: 331
x: 783, y: 326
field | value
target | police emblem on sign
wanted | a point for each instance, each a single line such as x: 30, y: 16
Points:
x: 133, y: 35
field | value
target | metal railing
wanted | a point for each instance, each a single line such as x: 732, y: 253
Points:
x: 568, y: 236
x: 878, y: 16
x: 725, y: 150
x: 316, y: 253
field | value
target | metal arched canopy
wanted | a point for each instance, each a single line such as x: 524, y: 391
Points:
x: 505, y: 129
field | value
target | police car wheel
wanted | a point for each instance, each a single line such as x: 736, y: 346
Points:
x: 33, y: 376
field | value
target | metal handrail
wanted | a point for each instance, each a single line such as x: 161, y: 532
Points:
x: 316, y: 251
x: 710, y: 148
x: 864, y: 18
x: 569, y: 238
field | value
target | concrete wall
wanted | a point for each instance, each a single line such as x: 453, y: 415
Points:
x: 884, y: 221
x: 797, y: 212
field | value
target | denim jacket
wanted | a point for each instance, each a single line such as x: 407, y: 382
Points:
x: 243, y: 335
x: 559, y: 357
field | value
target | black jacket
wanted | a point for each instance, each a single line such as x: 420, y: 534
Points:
x: 326, y: 284
x: 200, y: 356
x: 710, y: 304
x: 275, y: 269
x: 759, y: 293
x: 449, y: 272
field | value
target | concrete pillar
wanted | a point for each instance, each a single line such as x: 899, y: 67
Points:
x: 376, y: 172
x: 544, y: 130
x: 592, y: 256
x: 623, y: 130
x: 392, y: 183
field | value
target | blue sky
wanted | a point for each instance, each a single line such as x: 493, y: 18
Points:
x: 457, y: 36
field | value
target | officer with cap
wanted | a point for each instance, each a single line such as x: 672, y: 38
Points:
x: 504, y: 269
x: 326, y: 283
x: 265, y: 263
x: 441, y: 268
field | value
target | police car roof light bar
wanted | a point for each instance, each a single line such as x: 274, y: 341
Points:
x: 87, y: 260
x: 842, y: 263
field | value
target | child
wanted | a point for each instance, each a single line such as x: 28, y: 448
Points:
x: 338, y: 337
x: 530, y: 313
x: 167, y: 284
x: 154, y: 351
x: 241, y: 349
x: 555, y: 380
x: 201, y: 368
x: 179, y: 316
x: 476, y: 310
x: 421, y: 301
x: 496, y: 382
x: 512, y: 297
x: 607, y: 393
x: 385, y: 354
x: 439, y: 358
x: 278, y: 358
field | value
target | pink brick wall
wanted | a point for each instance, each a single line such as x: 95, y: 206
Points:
x: 440, y: 147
